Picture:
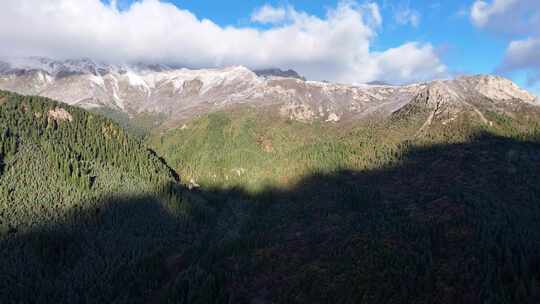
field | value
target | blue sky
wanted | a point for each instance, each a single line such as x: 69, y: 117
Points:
x: 339, y: 40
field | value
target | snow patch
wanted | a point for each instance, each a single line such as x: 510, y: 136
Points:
x: 135, y: 80
x: 98, y: 80
x: 115, y: 90
x: 211, y: 78
x: 333, y: 117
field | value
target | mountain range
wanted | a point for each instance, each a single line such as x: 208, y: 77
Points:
x: 179, y: 94
x: 262, y: 187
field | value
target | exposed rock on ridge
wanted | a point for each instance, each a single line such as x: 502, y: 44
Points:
x: 183, y: 93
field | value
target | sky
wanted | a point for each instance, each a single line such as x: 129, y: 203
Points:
x: 347, y: 41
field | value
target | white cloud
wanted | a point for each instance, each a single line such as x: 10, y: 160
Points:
x: 518, y: 21
x: 524, y: 55
x: 481, y: 11
x: 406, y: 16
x: 403, y: 14
x: 507, y: 17
x: 335, y: 47
x: 420, y: 62
x: 269, y: 14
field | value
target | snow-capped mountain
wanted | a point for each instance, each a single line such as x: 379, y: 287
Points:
x: 184, y: 93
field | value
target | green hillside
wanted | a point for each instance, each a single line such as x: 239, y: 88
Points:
x: 368, y: 212
x: 374, y: 212
x: 84, y: 206
x: 450, y: 223
x: 254, y: 149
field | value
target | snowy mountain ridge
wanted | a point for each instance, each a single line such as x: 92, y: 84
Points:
x: 181, y: 93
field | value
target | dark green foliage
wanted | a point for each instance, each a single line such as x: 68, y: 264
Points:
x: 370, y: 213
x: 84, y: 207
x: 373, y: 213
x: 139, y: 124
x: 254, y: 150
x: 457, y: 223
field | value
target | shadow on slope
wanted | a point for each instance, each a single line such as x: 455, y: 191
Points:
x: 453, y: 223
x: 108, y: 252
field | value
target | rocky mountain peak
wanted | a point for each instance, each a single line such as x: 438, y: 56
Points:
x: 497, y: 87
x: 183, y: 93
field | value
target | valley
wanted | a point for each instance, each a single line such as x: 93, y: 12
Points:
x: 269, y: 152
x: 435, y: 202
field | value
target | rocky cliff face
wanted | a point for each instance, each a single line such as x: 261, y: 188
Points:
x: 183, y: 93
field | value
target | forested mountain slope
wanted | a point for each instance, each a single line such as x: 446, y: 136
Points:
x: 417, y: 208
x: 65, y: 155
x: 255, y: 148
x: 83, y: 205
x: 430, y: 205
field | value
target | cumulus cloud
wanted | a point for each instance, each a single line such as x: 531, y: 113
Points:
x: 421, y: 62
x: 482, y: 12
x: 335, y: 47
x: 518, y: 21
x: 524, y: 55
x: 507, y: 17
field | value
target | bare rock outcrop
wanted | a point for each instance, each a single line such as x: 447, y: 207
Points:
x: 59, y: 115
x: 181, y: 94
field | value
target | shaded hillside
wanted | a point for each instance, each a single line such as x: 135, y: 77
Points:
x: 85, y: 208
x: 375, y: 213
x: 449, y: 223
